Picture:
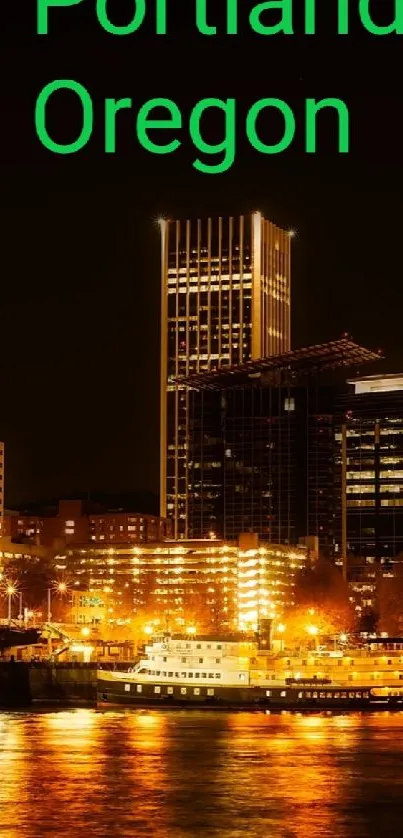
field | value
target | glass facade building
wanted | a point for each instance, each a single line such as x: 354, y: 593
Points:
x: 262, y: 453
x: 369, y: 440
x: 261, y: 459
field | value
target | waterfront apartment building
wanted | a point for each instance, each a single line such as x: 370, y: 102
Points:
x: 74, y: 521
x: 225, y: 299
x: 369, y: 438
x: 209, y: 584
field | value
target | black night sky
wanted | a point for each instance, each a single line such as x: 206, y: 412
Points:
x: 79, y: 240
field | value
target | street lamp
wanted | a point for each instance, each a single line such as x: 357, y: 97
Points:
x: 11, y: 591
x: 21, y: 613
x: 59, y: 588
x: 191, y: 630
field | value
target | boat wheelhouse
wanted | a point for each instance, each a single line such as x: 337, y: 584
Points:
x: 203, y: 660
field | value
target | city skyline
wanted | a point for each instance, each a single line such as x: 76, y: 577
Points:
x: 80, y: 258
x: 264, y: 412
x: 71, y: 486
x: 122, y: 476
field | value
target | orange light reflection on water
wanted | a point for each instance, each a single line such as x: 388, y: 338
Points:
x: 13, y: 775
x: 185, y: 774
x: 291, y: 776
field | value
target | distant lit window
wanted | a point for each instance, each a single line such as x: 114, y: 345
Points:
x: 289, y: 405
x: 69, y: 531
x: 360, y: 475
x: 70, y: 523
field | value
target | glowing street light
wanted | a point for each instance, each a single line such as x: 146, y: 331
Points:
x: 11, y: 591
x: 191, y: 630
x: 85, y: 631
x: 59, y: 587
x: 148, y: 630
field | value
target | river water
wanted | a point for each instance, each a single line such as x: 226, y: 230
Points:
x: 170, y: 774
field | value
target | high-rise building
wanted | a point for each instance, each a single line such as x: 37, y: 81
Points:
x: 262, y: 445
x: 369, y: 435
x: 225, y: 300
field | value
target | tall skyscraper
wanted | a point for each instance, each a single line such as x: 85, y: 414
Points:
x: 225, y: 300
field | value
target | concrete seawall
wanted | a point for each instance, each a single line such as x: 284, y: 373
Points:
x: 22, y: 684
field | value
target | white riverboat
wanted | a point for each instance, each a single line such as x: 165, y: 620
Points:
x: 230, y: 671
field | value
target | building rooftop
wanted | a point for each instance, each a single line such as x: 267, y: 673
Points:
x: 231, y: 637
x: 290, y: 367
x: 184, y: 547
x: 378, y: 383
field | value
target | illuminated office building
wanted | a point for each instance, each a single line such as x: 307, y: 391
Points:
x: 262, y: 454
x: 225, y: 300
x: 369, y: 437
